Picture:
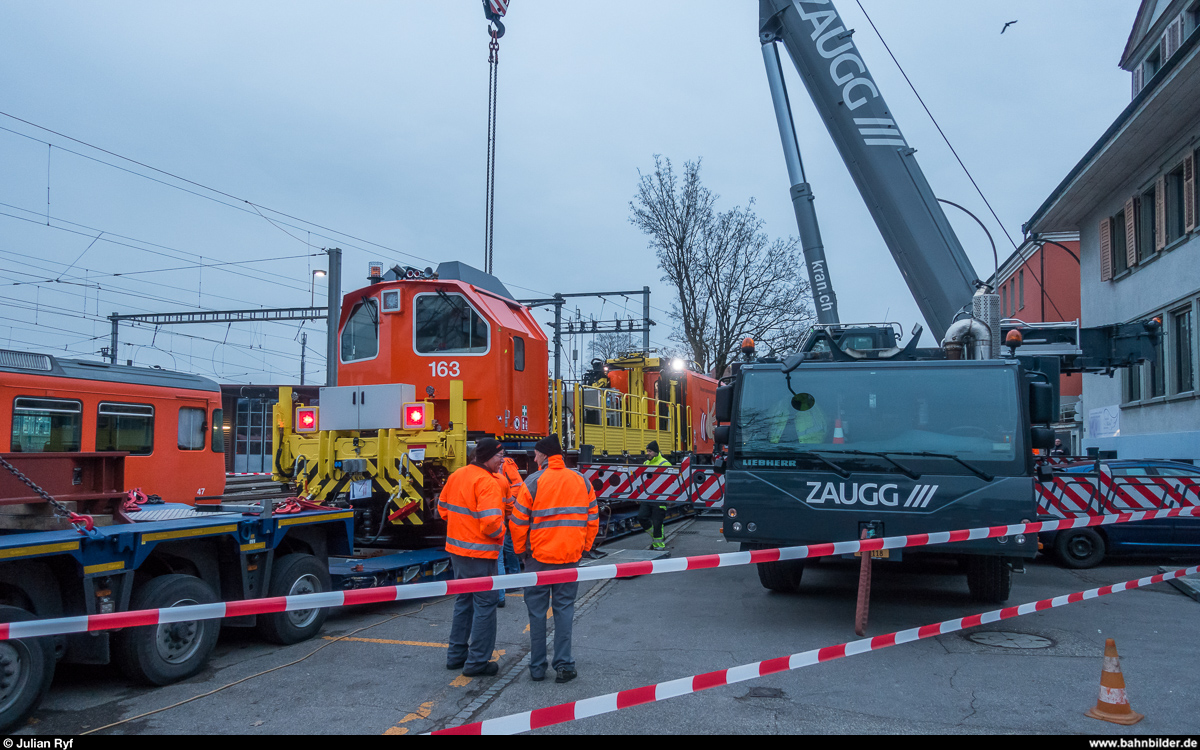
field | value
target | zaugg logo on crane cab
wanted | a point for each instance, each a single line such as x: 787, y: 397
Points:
x: 841, y: 493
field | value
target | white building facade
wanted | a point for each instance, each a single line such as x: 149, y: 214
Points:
x: 1134, y: 202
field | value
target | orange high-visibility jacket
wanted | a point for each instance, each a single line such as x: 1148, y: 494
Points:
x: 473, y: 506
x: 510, y: 482
x: 555, y: 515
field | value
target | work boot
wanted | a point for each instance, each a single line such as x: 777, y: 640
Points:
x: 566, y: 675
x: 487, y: 670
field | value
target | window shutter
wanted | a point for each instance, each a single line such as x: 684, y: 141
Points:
x: 1160, y: 213
x: 1162, y: 51
x: 1131, y: 208
x: 1173, y: 38
x: 1106, y: 250
x: 1189, y: 192
x: 1137, y: 80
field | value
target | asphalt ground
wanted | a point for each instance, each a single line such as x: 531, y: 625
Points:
x: 381, y: 669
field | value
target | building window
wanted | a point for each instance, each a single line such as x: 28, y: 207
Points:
x: 1133, y: 383
x: 46, y: 425
x: 1152, y: 64
x: 1147, y: 226
x: 1174, y: 201
x: 1119, y: 252
x: 1020, y: 290
x: 218, y: 431
x: 1181, y: 345
x: 125, y: 427
x: 1157, y: 372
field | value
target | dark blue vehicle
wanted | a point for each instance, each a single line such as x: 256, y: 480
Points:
x: 1086, y: 548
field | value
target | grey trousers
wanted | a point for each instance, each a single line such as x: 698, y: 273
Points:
x: 473, y: 632
x: 560, y: 597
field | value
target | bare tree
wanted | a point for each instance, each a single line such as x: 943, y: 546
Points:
x: 675, y: 216
x: 731, y: 280
x: 609, y: 345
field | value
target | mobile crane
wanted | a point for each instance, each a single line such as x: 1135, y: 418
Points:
x: 855, y: 434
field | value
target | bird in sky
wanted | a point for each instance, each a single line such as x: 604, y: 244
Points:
x: 1010, y: 23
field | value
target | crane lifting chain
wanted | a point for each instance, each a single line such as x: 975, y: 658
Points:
x: 493, y: 10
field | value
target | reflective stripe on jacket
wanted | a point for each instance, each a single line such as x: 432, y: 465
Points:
x: 555, y: 515
x: 473, y: 505
x: 657, y: 461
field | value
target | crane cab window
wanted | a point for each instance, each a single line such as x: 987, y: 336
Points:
x: 447, y: 324
x: 360, y: 337
x: 46, y: 425
x: 193, y: 429
x: 125, y: 427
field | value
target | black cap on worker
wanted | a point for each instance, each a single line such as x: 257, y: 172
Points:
x: 653, y: 446
x: 485, y: 449
x: 549, y: 446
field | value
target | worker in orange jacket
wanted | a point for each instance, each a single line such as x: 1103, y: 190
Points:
x: 473, y: 505
x: 510, y: 481
x: 554, y: 522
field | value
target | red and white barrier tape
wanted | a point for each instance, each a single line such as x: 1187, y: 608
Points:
x: 62, y: 625
x: 564, y: 712
x: 247, y: 473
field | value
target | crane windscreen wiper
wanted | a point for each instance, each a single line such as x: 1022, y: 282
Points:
x: 881, y: 454
x: 837, y: 469
x: 928, y: 454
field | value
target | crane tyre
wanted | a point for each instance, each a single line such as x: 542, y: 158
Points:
x: 292, y: 575
x: 162, y: 654
x: 989, y: 578
x: 26, y: 671
x: 783, y: 576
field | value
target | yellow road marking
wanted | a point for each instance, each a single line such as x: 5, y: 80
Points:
x: 388, y: 641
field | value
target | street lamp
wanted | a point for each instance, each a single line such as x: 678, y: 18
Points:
x: 312, y: 287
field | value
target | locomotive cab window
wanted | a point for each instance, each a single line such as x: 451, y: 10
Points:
x: 218, y: 431
x: 518, y: 354
x: 46, y: 425
x: 447, y: 324
x: 360, y: 337
x: 193, y: 429
x: 125, y: 427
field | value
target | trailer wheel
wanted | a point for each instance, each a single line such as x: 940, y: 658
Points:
x: 26, y: 670
x: 783, y: 576
x: 293, y: 575
x: 1079, y: 548
x: 989, y: 578
x: 162, y: 654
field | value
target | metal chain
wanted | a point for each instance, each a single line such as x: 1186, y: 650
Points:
x: 493, y: 77
x: 59, y: 508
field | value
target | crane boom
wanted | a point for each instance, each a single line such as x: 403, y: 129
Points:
x: 914, y: 227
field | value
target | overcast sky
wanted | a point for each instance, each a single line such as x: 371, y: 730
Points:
x: 369, y: 118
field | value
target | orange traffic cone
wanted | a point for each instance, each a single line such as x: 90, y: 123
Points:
x: 838, y: 437
x: 1113, y: 705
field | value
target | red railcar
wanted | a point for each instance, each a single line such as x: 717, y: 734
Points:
x: 168, y: 422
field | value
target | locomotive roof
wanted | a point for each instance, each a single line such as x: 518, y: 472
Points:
x: 27, y: 363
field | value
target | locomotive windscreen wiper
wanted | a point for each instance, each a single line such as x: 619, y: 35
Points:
x: 837, y: 469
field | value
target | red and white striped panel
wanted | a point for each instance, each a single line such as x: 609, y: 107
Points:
x: 62, y: 625
x: 1070, y: 495
x: 564, y: 712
